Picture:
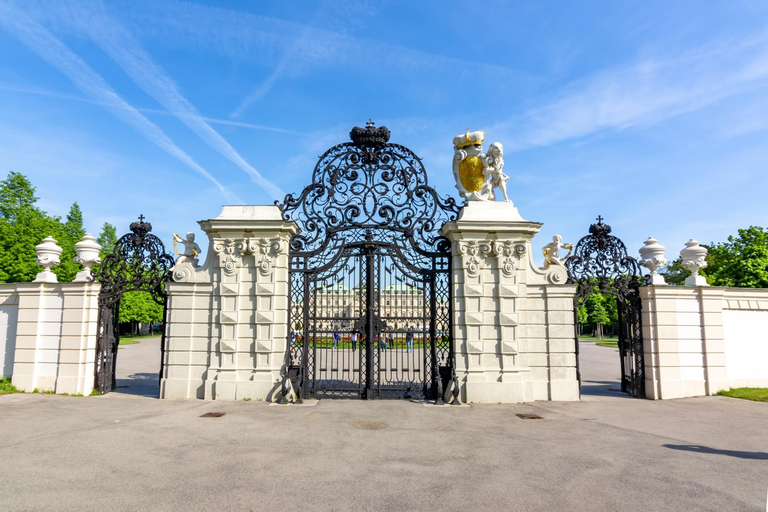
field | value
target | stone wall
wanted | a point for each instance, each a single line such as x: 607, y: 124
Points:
x: 513, y: 322
x: 49, y: 335
x: 9, y: 314
x: 227, y: 319
x: 699, y: 340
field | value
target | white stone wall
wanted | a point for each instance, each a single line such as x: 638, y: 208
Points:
x: 55, y: 336
x: 513, y: 323
x: 227, y: 325
x: 699, y: 340
x: 9, y: 313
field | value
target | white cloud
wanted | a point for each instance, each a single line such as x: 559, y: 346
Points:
x: 53, y: 51
x: 643, y: 93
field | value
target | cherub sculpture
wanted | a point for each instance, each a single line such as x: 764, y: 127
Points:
x: 494, y: 177
x: 552, y: 251
x: 477, y: 174
x: 191, y: 249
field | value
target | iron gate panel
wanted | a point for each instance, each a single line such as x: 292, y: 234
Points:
x: 138, y: 262
x: 370, y: 275
x: 600, y: 264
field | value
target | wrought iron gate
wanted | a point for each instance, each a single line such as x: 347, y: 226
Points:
x: 137, y: 263
x: 600, y: 264
x: 370, y: 276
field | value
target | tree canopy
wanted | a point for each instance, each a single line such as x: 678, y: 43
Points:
x: 23, y: 225
x: 742, y: 261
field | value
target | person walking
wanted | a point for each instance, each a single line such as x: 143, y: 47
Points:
x: 409, y: 340
x: 335, y: 340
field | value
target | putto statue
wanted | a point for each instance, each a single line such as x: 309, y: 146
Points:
x: 477, y: 174
x: 552, y: 251
x: 191, y: 249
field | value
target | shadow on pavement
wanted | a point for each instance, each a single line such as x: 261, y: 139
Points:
x: 602, y: 388
x: 707, y: 449
x: 139, y: 384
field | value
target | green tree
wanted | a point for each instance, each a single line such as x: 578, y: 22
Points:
x: 22, y: 226
x: 139, y: 307
x: 74, y: 224
x: 107, y: 238
x: 742, y: 261
x: 674, y: 273
x: 17, y: 195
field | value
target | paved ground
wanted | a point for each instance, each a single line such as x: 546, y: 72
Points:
x: 129, y: 452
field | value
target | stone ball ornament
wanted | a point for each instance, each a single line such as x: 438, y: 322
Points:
x: 48, y: 253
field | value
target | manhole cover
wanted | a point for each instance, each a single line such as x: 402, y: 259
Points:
x: 528, y: 416
x: 369, y: 425
x: 213, y: 415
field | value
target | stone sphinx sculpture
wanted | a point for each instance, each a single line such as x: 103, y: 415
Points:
x: 477, y: 174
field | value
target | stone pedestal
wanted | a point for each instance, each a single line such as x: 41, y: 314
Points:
x: 513, y: 323
x: 55, y: 337
x: 227, y: 326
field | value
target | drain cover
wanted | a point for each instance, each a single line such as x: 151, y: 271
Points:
x: 528, y: 416
x: 369, y: 425
x: 213, y: 415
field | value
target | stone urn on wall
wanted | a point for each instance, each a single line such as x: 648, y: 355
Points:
x: 694, y: 260
x: 48, y: 256
x: 87, y: 256
x: 652, y: 254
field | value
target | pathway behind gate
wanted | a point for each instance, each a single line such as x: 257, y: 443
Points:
x: 123, y: 452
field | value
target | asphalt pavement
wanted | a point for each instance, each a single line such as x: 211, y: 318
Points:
x: 126, y: 451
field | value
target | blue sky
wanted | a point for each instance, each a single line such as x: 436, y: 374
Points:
x: 652, y: 114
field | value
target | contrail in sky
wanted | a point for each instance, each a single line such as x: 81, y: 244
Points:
x: 53, y: 51
x: 119, y: 44
x: 54, y: 94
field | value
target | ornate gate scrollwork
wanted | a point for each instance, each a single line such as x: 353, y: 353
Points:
x: 370, y: 292
x: 138, y: 262
x: 600, y: 264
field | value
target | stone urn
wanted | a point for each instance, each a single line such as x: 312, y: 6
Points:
x: 87, y: 255
x: 694, y: 260
x: 652, y: 254
x: 48, y: 256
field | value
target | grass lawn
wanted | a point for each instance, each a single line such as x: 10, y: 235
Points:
x: 754, y: 394
x: 127, y: 339
x: 6, y: 387
x: 606, y: 341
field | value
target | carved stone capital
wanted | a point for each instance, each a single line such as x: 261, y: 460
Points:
x: 508, y: 254
x: 266, y: 250
x: 229, y: 252
x: 473, y: 253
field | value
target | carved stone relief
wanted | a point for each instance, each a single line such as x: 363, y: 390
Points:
x: 473, y: 253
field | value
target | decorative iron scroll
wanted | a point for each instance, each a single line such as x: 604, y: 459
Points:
x: 138, y: 262
x: 368, y: 184
x: 601, y: 259
x: 600, y: 264
x: 369, y: 275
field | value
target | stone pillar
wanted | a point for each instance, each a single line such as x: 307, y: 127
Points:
x: 683, y: 341
x: 227, y: 320
x: 56, y: 337
x: 513, y: 323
